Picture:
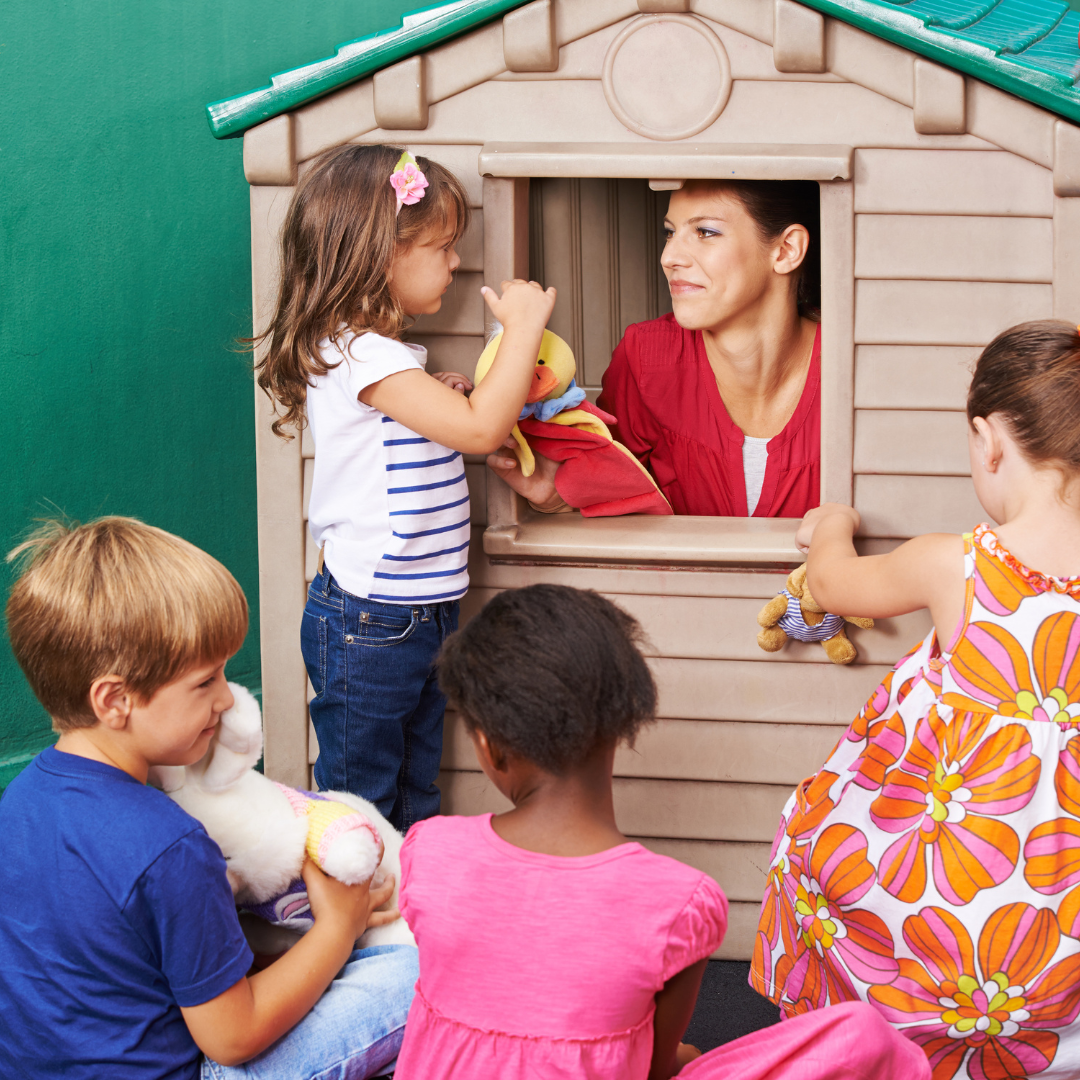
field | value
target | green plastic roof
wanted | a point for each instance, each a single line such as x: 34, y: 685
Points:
x: 1027, y: 47
x: 420, y: 29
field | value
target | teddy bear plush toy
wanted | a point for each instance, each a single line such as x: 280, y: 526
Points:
x: 597, y: 475
x: 793, y: 613
x: 265, y: 829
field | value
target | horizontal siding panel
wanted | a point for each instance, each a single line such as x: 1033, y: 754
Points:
x: 767, y: 691
x: 686, y: 809
x: 450, y: 352
x: 913, y: 376
x: 738, y: 943
x: 902, y: 441
x: 978, y: 182
x: 908, y: 506
x: 740, y: 869
x: 661, y: 581
x: 711, y: 750
x: 476, y: 478
x: 954, y: 248
x: 711, y: 628
x: 944, y: 312
x: 462, y: 310
x: 470, y: 247
x: 461, y: 159
x: 309, y: 477
x: 727, y: 751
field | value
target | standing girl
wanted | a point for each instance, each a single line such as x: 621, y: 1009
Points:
x: 930, y: 866
x: 550, y: 944
x: 367, y: 245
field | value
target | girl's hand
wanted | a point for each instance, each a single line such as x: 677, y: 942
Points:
x: 454, y: 380
x: 811, y: 521
x: 352, y: 906
x: 685, y: 1054
x: 539, y: 488
x: 523, y: 304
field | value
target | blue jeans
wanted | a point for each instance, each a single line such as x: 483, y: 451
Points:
x: 353, y: 1032
x: 377, y: 710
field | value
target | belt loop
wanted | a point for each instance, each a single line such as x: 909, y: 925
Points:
x: 324, y: 574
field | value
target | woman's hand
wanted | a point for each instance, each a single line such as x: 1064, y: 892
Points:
x: 455, y: 380
x: 814, y: 518
x: 353, y: 906
x: 539, y: 488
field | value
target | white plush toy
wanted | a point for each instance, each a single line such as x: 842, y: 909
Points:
x: 265, y: 829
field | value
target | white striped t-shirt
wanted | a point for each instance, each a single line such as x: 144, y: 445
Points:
x: 389, y: 507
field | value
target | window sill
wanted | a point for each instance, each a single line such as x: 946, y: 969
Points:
x: 690, y: 542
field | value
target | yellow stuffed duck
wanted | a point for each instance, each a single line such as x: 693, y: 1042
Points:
x: 598, y: 475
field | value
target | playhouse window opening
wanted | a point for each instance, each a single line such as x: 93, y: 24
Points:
x: 599, y: 242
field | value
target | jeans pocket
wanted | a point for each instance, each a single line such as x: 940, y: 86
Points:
x: 379, y: 629
x: 313, y: 646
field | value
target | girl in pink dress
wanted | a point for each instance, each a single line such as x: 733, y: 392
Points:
x: 550, y: 945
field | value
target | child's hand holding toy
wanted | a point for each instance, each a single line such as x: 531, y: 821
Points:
x: 559, y: 427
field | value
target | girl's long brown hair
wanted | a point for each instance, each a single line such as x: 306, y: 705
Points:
x: 340, y: 236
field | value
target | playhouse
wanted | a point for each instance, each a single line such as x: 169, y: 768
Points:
x: 943, y: 138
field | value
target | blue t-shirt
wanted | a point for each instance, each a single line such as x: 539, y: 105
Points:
x: 116, y: 912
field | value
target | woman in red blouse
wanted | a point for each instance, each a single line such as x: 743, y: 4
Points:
x: 720, y: 401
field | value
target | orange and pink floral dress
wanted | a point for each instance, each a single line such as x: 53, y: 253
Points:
x: 932, y: 866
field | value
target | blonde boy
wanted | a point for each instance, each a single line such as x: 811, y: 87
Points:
x: 120, y: 950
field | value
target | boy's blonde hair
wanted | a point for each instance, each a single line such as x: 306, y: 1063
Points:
x: 117, y: 597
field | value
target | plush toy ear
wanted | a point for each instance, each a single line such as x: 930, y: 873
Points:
x: 237, y: 744
x: 796, y: 581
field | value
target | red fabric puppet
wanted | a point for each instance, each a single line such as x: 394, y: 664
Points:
x: 597, y: 475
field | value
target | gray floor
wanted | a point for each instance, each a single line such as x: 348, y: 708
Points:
x: 727, y: 1007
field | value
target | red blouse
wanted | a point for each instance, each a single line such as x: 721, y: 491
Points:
x: 671, y: 416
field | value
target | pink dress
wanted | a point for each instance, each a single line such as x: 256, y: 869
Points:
x: 538, y: 965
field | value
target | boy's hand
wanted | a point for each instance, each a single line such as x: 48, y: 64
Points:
x: 351, y: 906
x: 814, y: 518
x: 523, y: 304
x: 454, y: 380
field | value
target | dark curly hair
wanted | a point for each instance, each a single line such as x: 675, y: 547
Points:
x: 549, y: 673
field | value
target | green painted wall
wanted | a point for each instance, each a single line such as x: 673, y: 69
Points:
x: 124, y: 274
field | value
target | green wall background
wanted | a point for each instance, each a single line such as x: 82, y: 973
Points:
x: 125, y: 278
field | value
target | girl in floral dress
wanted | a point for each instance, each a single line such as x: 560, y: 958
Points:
x: 932, y: 866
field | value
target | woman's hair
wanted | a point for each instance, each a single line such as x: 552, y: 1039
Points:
x: 1030, y: 376
x: 549, y: 673
x: 116, y: 597
x: 774, y: 205
x: 340, y: 236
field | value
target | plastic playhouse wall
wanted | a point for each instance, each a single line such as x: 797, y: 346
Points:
x: 125, y: 277
x: 948, y: 212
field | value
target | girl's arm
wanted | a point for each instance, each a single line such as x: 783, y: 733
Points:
x: 927, y: 572
x: 674, y: 1008
x: 479, y: 423
x: 258, y: 1010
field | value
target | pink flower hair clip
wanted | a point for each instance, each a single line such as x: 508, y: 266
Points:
x: 408, y: 181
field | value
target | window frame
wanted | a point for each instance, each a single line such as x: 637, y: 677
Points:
x: 515, y: 532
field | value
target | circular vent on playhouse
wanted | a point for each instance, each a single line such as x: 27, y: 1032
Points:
x: 667, y: 76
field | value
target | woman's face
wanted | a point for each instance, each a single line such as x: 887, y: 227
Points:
x: 717, y: 266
